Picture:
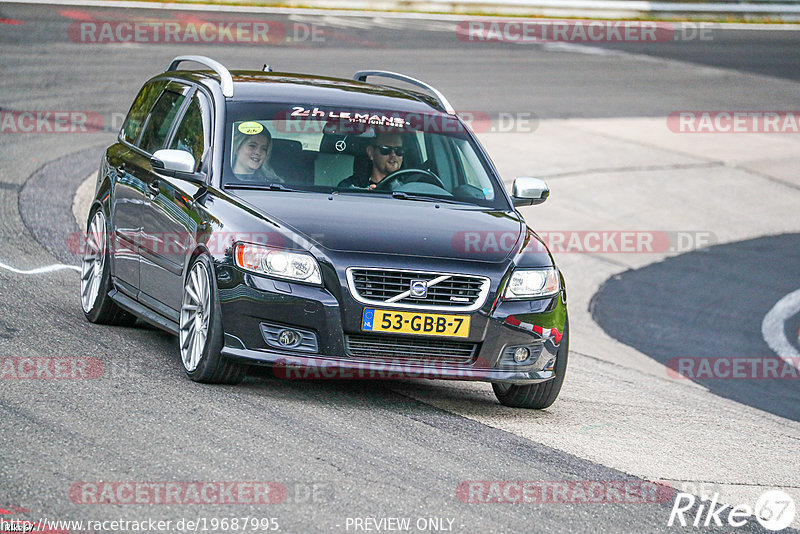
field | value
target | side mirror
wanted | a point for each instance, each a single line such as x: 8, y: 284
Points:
x: 177, y: 163
x: 529, y: 191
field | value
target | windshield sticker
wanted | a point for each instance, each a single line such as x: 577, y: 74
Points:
x: 362, y: 118
x: 251, y: 128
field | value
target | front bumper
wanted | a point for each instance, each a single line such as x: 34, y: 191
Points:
x: 250, y: 302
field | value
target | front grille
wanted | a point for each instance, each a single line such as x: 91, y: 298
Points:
x: 407, y: 349
x: 454, y: 292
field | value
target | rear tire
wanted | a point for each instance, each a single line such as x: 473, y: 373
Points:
x: 96, y: 277
x: 200, y: 338
x: 541, y: 395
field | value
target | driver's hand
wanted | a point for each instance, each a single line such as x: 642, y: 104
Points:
x: 373, y: 186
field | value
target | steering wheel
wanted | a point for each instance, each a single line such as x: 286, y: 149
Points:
x: 425, y: 176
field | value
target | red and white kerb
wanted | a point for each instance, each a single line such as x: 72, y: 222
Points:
x: 544, y: 332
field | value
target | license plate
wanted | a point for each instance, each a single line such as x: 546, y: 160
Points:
x: 423, y: 324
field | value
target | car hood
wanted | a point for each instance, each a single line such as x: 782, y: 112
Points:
x: 378, y: 224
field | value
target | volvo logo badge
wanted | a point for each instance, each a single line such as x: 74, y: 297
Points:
x: 419, y: 288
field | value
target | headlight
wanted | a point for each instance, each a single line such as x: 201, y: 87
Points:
x: 525, y: 284
x: 278, y: 263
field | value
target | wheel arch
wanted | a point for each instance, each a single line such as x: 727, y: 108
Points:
x: 199, y: 250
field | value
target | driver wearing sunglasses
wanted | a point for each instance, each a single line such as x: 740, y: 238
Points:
x: 386, y: 154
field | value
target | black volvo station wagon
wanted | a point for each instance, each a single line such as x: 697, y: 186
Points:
x: 324, y: 227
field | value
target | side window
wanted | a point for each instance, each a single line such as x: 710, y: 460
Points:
x: 192, y: 134
x: 161, y: 117
x: 469, y: 165
x: 472, y: 169
x: 138, y: 112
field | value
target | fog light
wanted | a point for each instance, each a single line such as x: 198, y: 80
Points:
x: 521, y: 354
x: 288, y: 338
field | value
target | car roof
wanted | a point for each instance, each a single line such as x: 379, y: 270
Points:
x: 306, y: 89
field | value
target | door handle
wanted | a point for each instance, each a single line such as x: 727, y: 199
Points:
x: 154, y: 187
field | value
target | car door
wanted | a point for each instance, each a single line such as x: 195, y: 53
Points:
x: 172, y: 218
x: 155, y: 133
x: 128, y: 195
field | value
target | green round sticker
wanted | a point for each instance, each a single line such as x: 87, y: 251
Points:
x: 251, y: 128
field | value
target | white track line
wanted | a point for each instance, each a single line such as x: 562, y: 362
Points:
x: 41, y: 270
x: 773, y: 330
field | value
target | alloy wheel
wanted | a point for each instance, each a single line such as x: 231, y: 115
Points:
x: 194, y: 317
x: 94, y: 260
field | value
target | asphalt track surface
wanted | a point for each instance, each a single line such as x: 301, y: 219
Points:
x: 729, y: 285
x: 350, y: 449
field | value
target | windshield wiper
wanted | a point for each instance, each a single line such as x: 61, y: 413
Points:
x: 425, y: 198
x: 274, y: 186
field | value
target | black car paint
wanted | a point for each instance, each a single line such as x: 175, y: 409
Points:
x: 381, y: 224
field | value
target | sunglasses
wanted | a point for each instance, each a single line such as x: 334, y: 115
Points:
x: 385, y: 150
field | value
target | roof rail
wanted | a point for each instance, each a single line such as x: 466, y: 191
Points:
x: 361, y: 76
x: 225, y: 79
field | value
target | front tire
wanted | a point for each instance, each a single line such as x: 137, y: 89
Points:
x: 200, y: 338
x: 541, y: 395
x: 96, y: 277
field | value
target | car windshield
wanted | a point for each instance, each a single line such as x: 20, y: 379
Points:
x: 401, y: 155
